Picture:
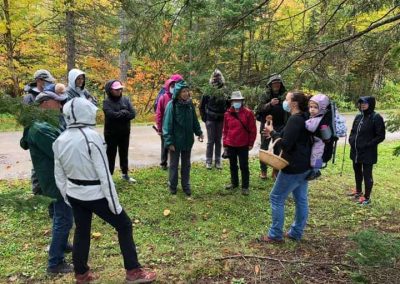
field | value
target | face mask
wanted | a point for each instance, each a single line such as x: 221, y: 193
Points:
x: 237, y: 105
x: 286, y: 106
x: 171, y: 90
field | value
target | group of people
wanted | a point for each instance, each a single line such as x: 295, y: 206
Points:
x: 74, y: 166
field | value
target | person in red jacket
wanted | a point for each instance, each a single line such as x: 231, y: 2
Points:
x: 239, y: 134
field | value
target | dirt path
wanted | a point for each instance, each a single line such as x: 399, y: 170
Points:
x: 144, y: 150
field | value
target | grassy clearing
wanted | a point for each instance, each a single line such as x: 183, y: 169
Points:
x: 183, y: 247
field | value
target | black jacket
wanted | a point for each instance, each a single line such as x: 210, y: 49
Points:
x: 367, y: 132
x: 296, y: 144
x: 118, y: 113
x: 214, y: 105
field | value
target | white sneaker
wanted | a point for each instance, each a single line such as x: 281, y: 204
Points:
x: 128, y: 178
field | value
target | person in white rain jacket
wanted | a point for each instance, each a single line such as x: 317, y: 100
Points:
x: 83, y: 177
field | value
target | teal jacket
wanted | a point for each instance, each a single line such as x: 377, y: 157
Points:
x: 180, y: 122
x: 39, y: 139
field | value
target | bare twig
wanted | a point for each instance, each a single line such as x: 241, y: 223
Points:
x: 287, y: 272
x: 286, y: 261
x: 331, y: 17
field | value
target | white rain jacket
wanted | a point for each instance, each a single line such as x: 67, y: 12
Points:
x: 80, y: 162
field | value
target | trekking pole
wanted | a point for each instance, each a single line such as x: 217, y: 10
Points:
x: 344, y: 153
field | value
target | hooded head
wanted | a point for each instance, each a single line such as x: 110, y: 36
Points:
x: 179, y: 86
x: 368, y: 100
x: 276, y: 78
x: 79, y: 112
x: 322, y: 101
x: 217, y: 79
x: 72, y: 76
x: 174, y: 78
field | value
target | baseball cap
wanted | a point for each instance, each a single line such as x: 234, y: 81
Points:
x: 44, y: 75
x: 117, y: 85
x: 47, y: 95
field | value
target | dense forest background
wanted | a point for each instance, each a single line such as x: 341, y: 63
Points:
x: 345, y: 48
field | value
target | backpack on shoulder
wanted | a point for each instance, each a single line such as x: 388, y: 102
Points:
x: 159, y: 95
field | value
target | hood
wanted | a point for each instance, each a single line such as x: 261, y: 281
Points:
x: 79, y: 112
x: 217, y: 72
x: 276, y: 77
x: 174, y: 78
x: 371, y: 102
x: 107, y: 87
x: 178, y: 88
x: 322, y: 101
x: 72, y: 75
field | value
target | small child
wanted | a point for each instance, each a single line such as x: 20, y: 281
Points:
x: 317, y: 107
x: 58, y: 88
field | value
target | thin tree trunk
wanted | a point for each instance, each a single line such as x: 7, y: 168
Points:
x: 10, y: 49
x: 70, y: 34
x: 123, y: 55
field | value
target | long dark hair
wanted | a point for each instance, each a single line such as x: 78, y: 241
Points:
x: 301, y: 99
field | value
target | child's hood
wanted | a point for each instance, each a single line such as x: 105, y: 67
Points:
x: 322, y: 101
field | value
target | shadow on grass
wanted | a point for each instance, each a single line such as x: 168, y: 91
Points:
x: 20, y: 200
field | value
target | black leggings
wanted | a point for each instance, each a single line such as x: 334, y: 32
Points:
x: 83, y: 212
x: 363, y: 172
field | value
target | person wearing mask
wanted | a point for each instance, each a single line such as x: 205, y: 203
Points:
x: 367, y: 132
x: 118, y: 113
x: 239, y: 134
x: 270, y: 107
x: 76, y: 86
x: 85, y: 182
x: 212, y: 109
x: 179, y: 127
x: 296, y: 146
x: 38, y: 138
x: 160, y: 111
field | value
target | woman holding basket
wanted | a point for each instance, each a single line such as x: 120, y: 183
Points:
x: 296, y: 146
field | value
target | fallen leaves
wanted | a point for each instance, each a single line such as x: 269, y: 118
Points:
x: 96, y: 235
x: 166, y: 212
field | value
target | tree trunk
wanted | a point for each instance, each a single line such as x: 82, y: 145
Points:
x: 70, y: 34
x: 123, y: 55
x: 10, y: 49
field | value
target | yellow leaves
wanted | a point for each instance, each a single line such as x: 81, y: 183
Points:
x: 96, y: 235
x: 166, y: 212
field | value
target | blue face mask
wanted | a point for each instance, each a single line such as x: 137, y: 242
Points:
x: 237, y: 105
x: 286, y: 106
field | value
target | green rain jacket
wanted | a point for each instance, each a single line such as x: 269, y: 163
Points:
x: 39, y: 139
x: 180, y: 121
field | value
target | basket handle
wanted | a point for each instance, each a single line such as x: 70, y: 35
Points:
x: 273, y: 145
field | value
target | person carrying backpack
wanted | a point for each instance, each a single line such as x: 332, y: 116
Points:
x: 367, y: 132
x: 160, y: 110
x: 179, y: 125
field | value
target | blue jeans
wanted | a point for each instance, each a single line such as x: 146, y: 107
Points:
x: 284, y: 185
x: 62, y: 224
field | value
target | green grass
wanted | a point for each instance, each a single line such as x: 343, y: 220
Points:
x: 183, y: 246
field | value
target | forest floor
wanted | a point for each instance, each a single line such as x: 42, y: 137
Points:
x: 211, y: 237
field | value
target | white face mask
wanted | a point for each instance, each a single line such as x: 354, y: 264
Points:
x: 237, y: 105
x: 171, y: 90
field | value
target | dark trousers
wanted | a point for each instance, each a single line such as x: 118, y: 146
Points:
x: 243, y: 154
x: 164, y: 153
x: 214, y: 137
x: 185, y: 169
x: 83, y: 211
x: 120, y: 142
x: 264, y: 146
x: 363, y: 172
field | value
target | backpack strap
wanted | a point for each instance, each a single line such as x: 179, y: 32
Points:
x: 235, y: 115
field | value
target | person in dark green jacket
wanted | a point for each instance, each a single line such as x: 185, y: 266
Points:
x: 179, y: 124
x: 39, y: 138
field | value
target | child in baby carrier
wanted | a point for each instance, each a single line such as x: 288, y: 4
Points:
x: 319, y: 125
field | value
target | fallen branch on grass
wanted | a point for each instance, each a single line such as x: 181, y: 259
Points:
x: 286, y: 261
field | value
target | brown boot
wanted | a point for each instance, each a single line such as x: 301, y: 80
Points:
x: 84, y: 278
x: 263, y: 175
x: 139, y: 275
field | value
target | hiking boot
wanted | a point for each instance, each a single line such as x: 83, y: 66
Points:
x: 127, y: 178
x: 288, y: 236
x: 313, y: 175
x: 87, y: 277
x: 364, y: 201
x: 172, y: 190
x: 188, y: 192
x: 208, y: 166
x: 263, y: 175
x: 230, y: 187
x: 218, y: 165
x: 268, y: 240
x: 164, y: 167
x: 61, y: 268
x: 245, y: 191
x: 139, y: 275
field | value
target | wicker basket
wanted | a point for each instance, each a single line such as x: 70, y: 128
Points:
x: 268, y: 157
